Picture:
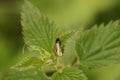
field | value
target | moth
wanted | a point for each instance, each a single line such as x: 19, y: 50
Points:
x: 58, y: 49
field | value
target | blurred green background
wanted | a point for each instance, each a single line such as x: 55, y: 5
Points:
x: 66, y: 14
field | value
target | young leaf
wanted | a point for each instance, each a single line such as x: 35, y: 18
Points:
x: 30, y: 74
x: 68, y: 46
x: 69, y: 51
x: 69, y: 74
x: 99, y: 46
x: 66, y: 35
x: 29, y: 61
x: 38, y: 30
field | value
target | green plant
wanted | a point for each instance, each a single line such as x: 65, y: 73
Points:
x: 81, y: 49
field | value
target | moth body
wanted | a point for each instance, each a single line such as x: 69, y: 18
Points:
x: 58, y: 49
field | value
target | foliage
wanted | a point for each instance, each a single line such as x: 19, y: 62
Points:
x: 93, y: 48
x: 99, y: 46
x: 69, y: 74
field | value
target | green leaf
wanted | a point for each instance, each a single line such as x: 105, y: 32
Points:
x: 99, y: 46
x: 65, y: 37
x: 69, y: 51
x: 30, y: 74
x: 69, y: 74
x: 29, y: 61
x: 39, y: 32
